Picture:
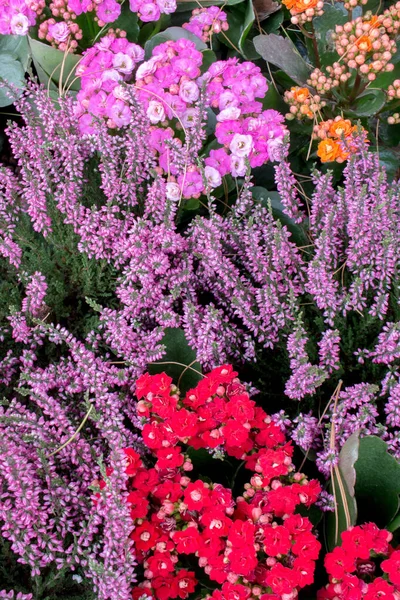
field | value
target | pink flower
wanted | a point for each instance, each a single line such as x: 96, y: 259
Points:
x: 123, y: 63
x: 173, y: 191
x: 188, y: 91
x: 238, y: 166
x: 108, y: 11
x: 59, y: 31
x: 231, y: 113
x: 120, y: 113
x: 149, y: 12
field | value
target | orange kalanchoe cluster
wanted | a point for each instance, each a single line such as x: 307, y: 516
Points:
x: 335, y: 135
x: 367, y: 43
x: 304, y: 10
x: 303, y: 104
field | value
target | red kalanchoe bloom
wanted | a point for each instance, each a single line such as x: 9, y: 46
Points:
x: 197, y: 496
x: 391, y: 566
x: 185, y: 582
x: 187, y: 541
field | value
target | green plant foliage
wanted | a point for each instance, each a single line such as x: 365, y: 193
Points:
x: 178, y: 356
x: 14, y: 61
x: 282, y: 53
x: 52, y: 64
x: 377, y: 482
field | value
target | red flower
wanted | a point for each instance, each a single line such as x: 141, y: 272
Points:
x: 145, y: 536
x: 138, y: 505
x: 139, y: 591
x: 276, y: 540
x: 197, y: 496
x: 155, y: 384
x: 297, y: 524
x: 164, y: 406
x: 272, y: 464
x: 183, y: 423
x: 339, y: 562
x: 160, y: 564
x: 215, y: 521
x: 391, y: 566
x: 145, y: 480
x: 379, y: 589
x: 282, y: 580
x: 305, y: 570
x: 169, y: 458
x: 243, y: 560
x: 282, y: 501
x: 241, y: 408
x: 187, y: 541
x: 235, y: 591
x: 308, y: 494
x: 234, y: 432
x: 133, y: 461
x: 241, y: 534
x: 357, y: 542
x: 185, y: 582
x: 168, y: 491
x: 164, y: 587
x: 307, y: 546
x: 224, y: 374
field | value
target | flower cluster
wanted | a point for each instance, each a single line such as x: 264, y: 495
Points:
x: 303, y: 104
x: 303, y: 11
x: 336, y: 135
x: 205, y: 22
x: 252, y: 545
x: 151, y: 10
x: 64, y: 35
x: 16, y: 17
x: 367, y: 44
x: 102, y: 71
x: 353, y: 568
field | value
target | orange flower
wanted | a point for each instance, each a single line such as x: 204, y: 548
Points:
x: 299, y: 6
x: 373, y: 22
x: 340, y: 128
x: 300, y: 94
x: 329, y: 150
x: 364, y: 43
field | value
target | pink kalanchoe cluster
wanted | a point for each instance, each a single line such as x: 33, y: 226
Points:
x: 103, y: 70
x: 107, y: 11
x: 16, y: 17
x: 63, y: 35
x: 204, y: 22
x: 249, y: 136
x: 151, y: 10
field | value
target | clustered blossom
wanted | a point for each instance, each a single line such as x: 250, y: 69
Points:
x: 365, y: 566
x: 102, y: 72
x: 303, y: 104
x: 205, y: 22
x: 64, y: 35
x: 336, y: 135
x: 253, y: 545
x: 303, y: 11
x: 16, y: 17
x: 368, y: 43
x: 230, y: 281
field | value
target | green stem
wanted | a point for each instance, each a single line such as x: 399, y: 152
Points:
x: 315, y: 47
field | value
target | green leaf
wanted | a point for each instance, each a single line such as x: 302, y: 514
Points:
x: 377, y: 483
x: 383, y: 80
x: 394, y: 525
x: 389, y: 158
x: 324, y: 26
x: 11, y: 71
x: 17, y: 46
x: 128, y: 21
x: 172, y: 33
x: 264, y: 197
x: 282, y: 53
x: 368, y: 103
x: 342, y: 486
x: 208, y: 59
x: 49, y: 63
x: 273, y: 22
x: 178, y: 351
x: 249, y: 18
x: 273, y: 99
x: 183, y: 5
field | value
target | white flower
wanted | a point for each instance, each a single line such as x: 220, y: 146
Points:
x: 123, y: 63
x: 241, y: 145
x: 19, y: 24
x: 173, y: 191
x: 166, y: 6
x: 121, y: 93
x: 155, y: 111
x: 238, y: 166
x: 111, y: 74
x: 231, y: 113
x: 213, y: 177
